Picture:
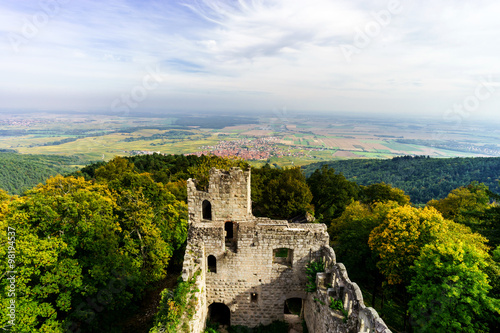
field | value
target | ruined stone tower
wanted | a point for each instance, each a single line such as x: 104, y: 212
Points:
x: 227, y: 198
x: 250, y: 266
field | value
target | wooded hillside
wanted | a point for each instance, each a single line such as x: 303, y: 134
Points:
x: 422, y: 178
x: 20, y: 172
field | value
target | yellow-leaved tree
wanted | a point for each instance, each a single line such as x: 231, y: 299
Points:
x: 400, y: 237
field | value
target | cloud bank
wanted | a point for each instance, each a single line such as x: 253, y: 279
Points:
x: 398, y: 57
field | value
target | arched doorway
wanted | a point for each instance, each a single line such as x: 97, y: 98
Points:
x: 219, y: 313
x: 293, y: 313
x: 293, y: 306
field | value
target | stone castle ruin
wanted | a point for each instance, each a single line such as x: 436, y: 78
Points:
x: 250, y: 266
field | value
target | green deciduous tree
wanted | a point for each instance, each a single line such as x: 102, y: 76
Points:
x: 398, y: 240
x: 65, y: 247
x: 87, y: 247
x: 260, y: 180
x: 331, y: 193
x: 152, y: 220
x: 382, y: 192
x: 350, y: 233
x: 287, y: 195
x: 470, y: 205
x: 465, y: 204
x: 450, y: 288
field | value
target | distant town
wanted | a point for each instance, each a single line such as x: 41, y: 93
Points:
x: 255, y: 149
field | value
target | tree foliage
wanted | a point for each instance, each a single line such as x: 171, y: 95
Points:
x: 354, y: 226
x: 382, y: 192
x: 331, y: 193
x: 450, y: 288
x: 471, y: 205
x: 286, y: 196
x: 421, y: 177
x: 400, y: 237
x: 86, y: 247
x: 260, y: 180
x: 21, y: 172
x: 464, y: 203
x: 63, y: 230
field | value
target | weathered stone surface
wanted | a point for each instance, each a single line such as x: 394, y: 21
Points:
x: 228, y: 194
x: 248, y: 277
x: 336, y: 283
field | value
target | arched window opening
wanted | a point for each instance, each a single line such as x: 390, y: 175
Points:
x: 283, y: 256
x: 212, y: 264
x: 219, y: 313
x: 206, y: 208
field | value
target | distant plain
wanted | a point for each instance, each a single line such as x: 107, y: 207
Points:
x: 290, y: 139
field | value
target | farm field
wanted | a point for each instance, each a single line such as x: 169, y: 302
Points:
x: 292, y: 140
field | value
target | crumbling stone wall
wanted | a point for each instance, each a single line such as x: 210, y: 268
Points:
x: 193, y: 262
x: 250, y: 279
x: 245, y: 271
x: 334, y: 282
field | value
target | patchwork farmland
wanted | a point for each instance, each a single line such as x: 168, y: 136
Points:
x: 295, y: 141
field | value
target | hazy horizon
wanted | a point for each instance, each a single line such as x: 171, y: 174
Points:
x: 411, y: 59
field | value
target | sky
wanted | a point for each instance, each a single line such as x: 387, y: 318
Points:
x: 432, y: 58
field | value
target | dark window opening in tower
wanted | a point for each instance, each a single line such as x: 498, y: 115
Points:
x: 212, y: 264
x: 228, y: 227
x: 207, y: 210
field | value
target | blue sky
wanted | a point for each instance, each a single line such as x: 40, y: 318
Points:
x: 433, y: 58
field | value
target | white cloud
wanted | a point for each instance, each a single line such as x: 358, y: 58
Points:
x: 225, y: 53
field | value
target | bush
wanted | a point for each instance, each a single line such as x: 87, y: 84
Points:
x: 337, y: 304
x: 174, y: 304
x: 312, y: 268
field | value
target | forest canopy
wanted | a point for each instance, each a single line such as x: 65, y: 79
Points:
x: 420, y: 177
x: 93, y: 242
